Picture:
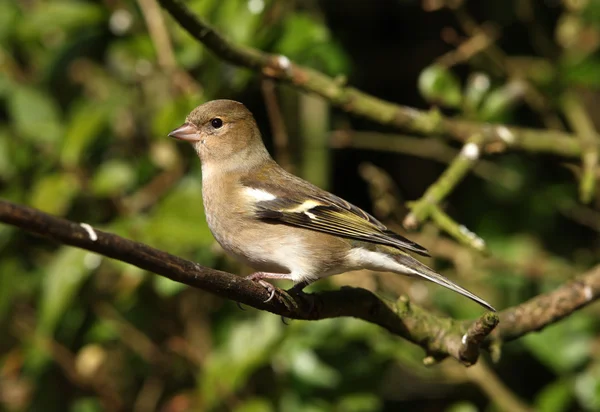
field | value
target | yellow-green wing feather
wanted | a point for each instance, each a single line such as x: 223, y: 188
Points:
x: 299, y: 203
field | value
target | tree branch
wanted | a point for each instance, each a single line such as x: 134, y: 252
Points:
x: 549, y: 308
x: 582, y: 124
x: 458, y: 169
x: 431, y: 148
x: 354, y: 101
x: 439, y: 337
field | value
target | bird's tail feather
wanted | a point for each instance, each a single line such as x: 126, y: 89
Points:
x: 419, y: 269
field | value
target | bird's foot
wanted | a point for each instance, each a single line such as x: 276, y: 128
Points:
x: 287, y: 300
x: 298, y: 289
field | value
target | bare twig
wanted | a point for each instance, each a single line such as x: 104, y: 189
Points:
x: 494, y: 388
x: 456, y: 230
x: 501, y: 63
x: 363, y: 104
x: 543, y: 310
x: 280, y: 135
x: 428, y: 204
x: 584, y: 127
x: 476, y: 334
x: 468, y: 48
x: 164, y: 50
x: 440, y: 337
x: 426, y: 148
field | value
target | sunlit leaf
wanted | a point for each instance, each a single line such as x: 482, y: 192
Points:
x: 64, y: 15
x: 555, y: 397
x: 113, y: 177
x: 177, y: 224
x: 62, y: 279
x: 565, y: 345
x: 84, y: 124
x: 360, y: 402
x: 54, y: 193
x: 462, y: 407
x: 307, y: 366
x: 499, y: 102
x: 439, y: 85
x: 587, y: 388
x: 247, y: 347
x: 255, y: 405
x: 167, y: 287
x: 88, y: 404
x: 35, y: 115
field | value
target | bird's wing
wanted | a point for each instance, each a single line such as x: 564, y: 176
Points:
x: 299, y: 203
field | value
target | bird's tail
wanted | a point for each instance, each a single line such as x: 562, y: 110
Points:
x: 416, y: 268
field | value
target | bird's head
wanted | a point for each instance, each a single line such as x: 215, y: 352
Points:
x: 222, y: 131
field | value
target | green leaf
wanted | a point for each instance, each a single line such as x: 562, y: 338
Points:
x: 360, y: 402
x: 500, y: 102
x: 563, y: 346
x: 555, y: 397
x: 35, y: 115
x: 88, y: 404
x: 113, y: 177
x: 462, y: 407
x: 309, y: 368
x: 7, y: 163
x: 60, y: 15
x: 248, y: 345
x: 477, y: 87
x: 308, y: 41
x: 301, y: 32
x: 255, y: 405
x: 177, y: 224
x: 235, y: 17
x: 9, y: 19
x: 62, y: 279
x: 10, y: 271
x: 166, y: 287
x: 85, y: 123
x: 54, y: 193
x: 102, y: 331
x: 438, y: 85
x: 587, y: 388
x: 581, y: 70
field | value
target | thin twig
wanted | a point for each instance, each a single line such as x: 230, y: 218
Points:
x: 494, y: 388
x: 278, y: 129
x: 456, y: 230
x: 532, y: 96
x: 440, y: 337
x: 421, y: 209
x: 426, y: 148
x: 354, y: 101
x: 164, y: 50
x: 468, y: 48
x: 581, y: 123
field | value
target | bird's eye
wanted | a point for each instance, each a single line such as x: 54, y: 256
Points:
x: 216, y: 123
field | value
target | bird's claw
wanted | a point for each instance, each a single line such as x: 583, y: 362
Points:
x: 270, y: 288
x: 297, y: 291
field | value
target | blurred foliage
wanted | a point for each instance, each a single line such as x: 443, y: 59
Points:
x: 86, y: 100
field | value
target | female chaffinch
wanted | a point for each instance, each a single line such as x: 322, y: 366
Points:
x: 282, y: 225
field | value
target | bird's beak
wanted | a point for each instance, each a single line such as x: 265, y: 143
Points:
x: 187, y: 132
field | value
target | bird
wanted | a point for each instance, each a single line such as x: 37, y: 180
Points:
x: 279, y: 224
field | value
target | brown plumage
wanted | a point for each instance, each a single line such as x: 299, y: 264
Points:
x: 280, y: 224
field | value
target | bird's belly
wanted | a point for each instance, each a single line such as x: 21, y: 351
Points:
x: 282, y: 249
x: 267, y: 252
